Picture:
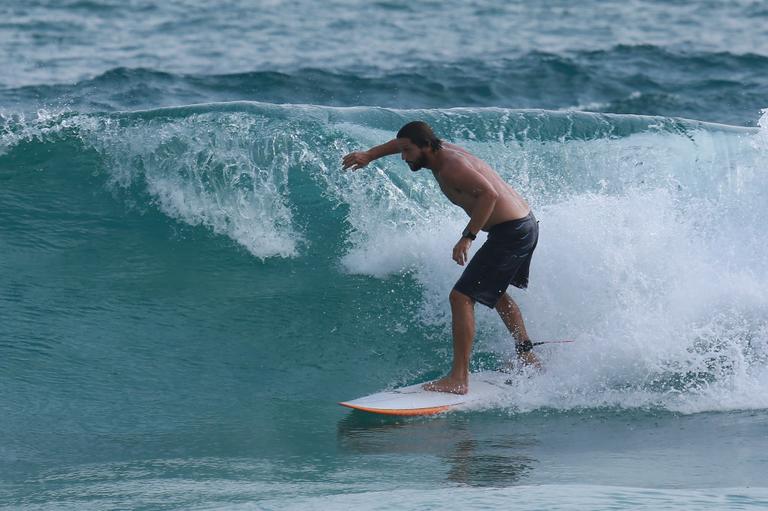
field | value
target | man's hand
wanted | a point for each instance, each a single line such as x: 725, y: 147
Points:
x: 460, y: 250
x: 357, y: 160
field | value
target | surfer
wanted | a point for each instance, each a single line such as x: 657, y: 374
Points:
x: 493, y: 206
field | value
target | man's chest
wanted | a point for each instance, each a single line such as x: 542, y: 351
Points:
x: 455, y: 194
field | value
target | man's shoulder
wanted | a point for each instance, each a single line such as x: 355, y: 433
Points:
x: 453, y: 148
x: 454, y: 167
x: 460, y: 160
x: 461, y: 172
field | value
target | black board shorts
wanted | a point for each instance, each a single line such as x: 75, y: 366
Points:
x: 504, y: 259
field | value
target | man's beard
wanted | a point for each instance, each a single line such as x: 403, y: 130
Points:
x: 418, y: 164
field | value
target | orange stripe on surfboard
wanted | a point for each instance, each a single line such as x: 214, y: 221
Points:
x: 395, y: 411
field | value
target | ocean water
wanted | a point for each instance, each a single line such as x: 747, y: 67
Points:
x: 189, y: 282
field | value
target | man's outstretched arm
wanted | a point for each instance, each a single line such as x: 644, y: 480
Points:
x: 360, y: 159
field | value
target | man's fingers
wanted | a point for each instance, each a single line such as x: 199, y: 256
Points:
x: 350, y: 161
x: 459, y: 257
x: 356, y: 160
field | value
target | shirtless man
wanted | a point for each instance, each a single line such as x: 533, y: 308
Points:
x: 493, y: 206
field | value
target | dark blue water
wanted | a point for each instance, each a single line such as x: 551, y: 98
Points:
x: 189, y: 283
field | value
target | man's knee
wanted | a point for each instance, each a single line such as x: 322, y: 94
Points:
x: 457, y: 298
x: 504, y: 302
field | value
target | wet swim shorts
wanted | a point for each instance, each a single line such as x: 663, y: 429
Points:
x: 504, y: 259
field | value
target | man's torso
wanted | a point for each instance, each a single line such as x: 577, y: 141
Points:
x: 509, y: 204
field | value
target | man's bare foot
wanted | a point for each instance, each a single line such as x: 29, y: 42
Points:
x: 448, y: 384
x: 529, y: 359
x: 519, y: 363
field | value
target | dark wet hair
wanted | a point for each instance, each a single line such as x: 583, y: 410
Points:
x: 420, y: 134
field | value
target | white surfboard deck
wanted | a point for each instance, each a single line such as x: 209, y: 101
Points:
x: 414, y: 400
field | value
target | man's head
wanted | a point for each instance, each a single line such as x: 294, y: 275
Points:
x: 417, y: 143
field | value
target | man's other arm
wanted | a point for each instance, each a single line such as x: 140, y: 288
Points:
x: 359, y: 159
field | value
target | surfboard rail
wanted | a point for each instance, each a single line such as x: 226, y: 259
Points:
x: 432, y: 410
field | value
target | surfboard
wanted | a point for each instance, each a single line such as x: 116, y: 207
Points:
x: 413, y: 400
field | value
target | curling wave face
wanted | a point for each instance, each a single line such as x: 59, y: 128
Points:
x: 650, y: 254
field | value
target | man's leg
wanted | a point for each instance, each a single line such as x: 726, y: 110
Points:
x: 463, y: 325
x: 513, y: 319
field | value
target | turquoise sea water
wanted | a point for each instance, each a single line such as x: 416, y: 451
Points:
x: 189, y: 283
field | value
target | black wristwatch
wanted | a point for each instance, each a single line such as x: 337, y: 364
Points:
x: 468, y: 234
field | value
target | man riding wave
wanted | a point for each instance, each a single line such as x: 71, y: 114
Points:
x: 492, y: 206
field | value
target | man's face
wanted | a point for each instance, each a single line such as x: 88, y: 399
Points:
x: 413, y: 155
